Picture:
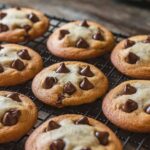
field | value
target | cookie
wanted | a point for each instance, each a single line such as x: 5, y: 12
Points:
x: 128, y: 105
x: 132, y: 57
x: 69, y: 83
x: 18, y: 64
x: 75, y: 132
x: 17, y: 115
x: 80, y: 40
x: 21, y: 24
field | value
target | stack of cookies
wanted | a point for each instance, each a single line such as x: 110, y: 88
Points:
x: 70, y: 83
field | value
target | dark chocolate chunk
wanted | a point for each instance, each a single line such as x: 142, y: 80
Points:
x: 33, y: 17
x: 14, y: 96
x: 3, y: 28
x: 128, y: 90
x: 18, y: 65
x: 63, y: 33
x: 147, y: 40
x: 85, y: 84
x: 2, y: 15
x: 132, y: 58
x: 59, y: 100
x: 86, y: 71
x: 1, y: 69
x: 81, y: 43
x: 24, y: 54
x: 86, y: 148
x: 62, y: 69
x: 98, y: 36
x: 83, y: 120
x: 69, y: 88
x: 27, y: 27
x: 52, y: 125
x: 57, y: 145
x: 129, y: 43
x: 84, y: 24
x: 49, y: 82
x: 147, y: 109
x: 130, y: 106
x: 103, y: 137
x: 11, y: 117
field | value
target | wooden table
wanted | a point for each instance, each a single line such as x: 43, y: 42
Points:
x: 116, y: 15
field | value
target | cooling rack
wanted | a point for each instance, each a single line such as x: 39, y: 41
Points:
x: 130, y: 141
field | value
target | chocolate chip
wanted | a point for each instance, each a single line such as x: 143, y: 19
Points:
x: 3, y: 28
x: 86, y: 148
x: 147, y: 109
x: 18, y: 64
x: 33, y: 17
x: 49, y: 82
x: 1, y: 69
x: 128, y: 90
x: 98, y: 36
x: 147, y: 40
x: 84, y: 24
x: 57, y: 145
x: 52, y: 125
x: 11, y: 117
x: 103, y: 137
x: 86, y: 71
x: 2, y: 15
x: 18, y: 8
x: 63, y: 33
x: 69, y: 88
x: 27, y: 27
x: 14, y: 96
x: 132, y: 58
x: 129, y: 43
x: 62, y: 69
x: 59, y: 100
x: 85, y: 84
x: 24, y: 54
x: 1, y: 47
x: 81, y: 43
x: 83, y: 120
x: 129, y: 106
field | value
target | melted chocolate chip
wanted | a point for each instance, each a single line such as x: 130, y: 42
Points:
x: 84, y: 24
x: 49, y: 82
x: 129, y: 106
x: 83, y: 120
x: 11, y: 117
x: 129, y: 43
x: 52, y: 125
x: 147, y: 40
x: 3, y: 28
x: 81, y: 43
x: 57, y: 145
x: 1, y: 69
x: 132, y: 58
x: 33, y: 17
x: 98, y: 36
x: 86, y: 71
x: 147, y: 109
x: 103, y: 137
x: 18, y: 8
x: 62, y: 69
x: 128, y: 90
x: 27, y: 27
x: 63, y: 33
x: 2, y: 15
x: 59, y: 100
x: 86, y: 148
x: 14, y: 96
x: 69, y: 88
x: 85, y: 84
x: 24, y: 54
x: 18, y: 64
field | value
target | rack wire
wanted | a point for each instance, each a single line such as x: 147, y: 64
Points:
x: 130, y: 141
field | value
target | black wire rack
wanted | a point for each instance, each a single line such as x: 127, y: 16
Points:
x: 130, y: 141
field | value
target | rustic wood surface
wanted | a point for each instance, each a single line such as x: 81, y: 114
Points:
x: 115, y: 14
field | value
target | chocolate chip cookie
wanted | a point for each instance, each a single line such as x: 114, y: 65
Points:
x: 80, y: 40
x: 21, y: 24
x: 132, y: 57
x: 128, y: 105
x: 69, y: 83
x: 72, y: 132
x: 18, y: 64
x: 17, y: 115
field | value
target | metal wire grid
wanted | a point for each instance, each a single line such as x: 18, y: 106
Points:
x: 131, y: 141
